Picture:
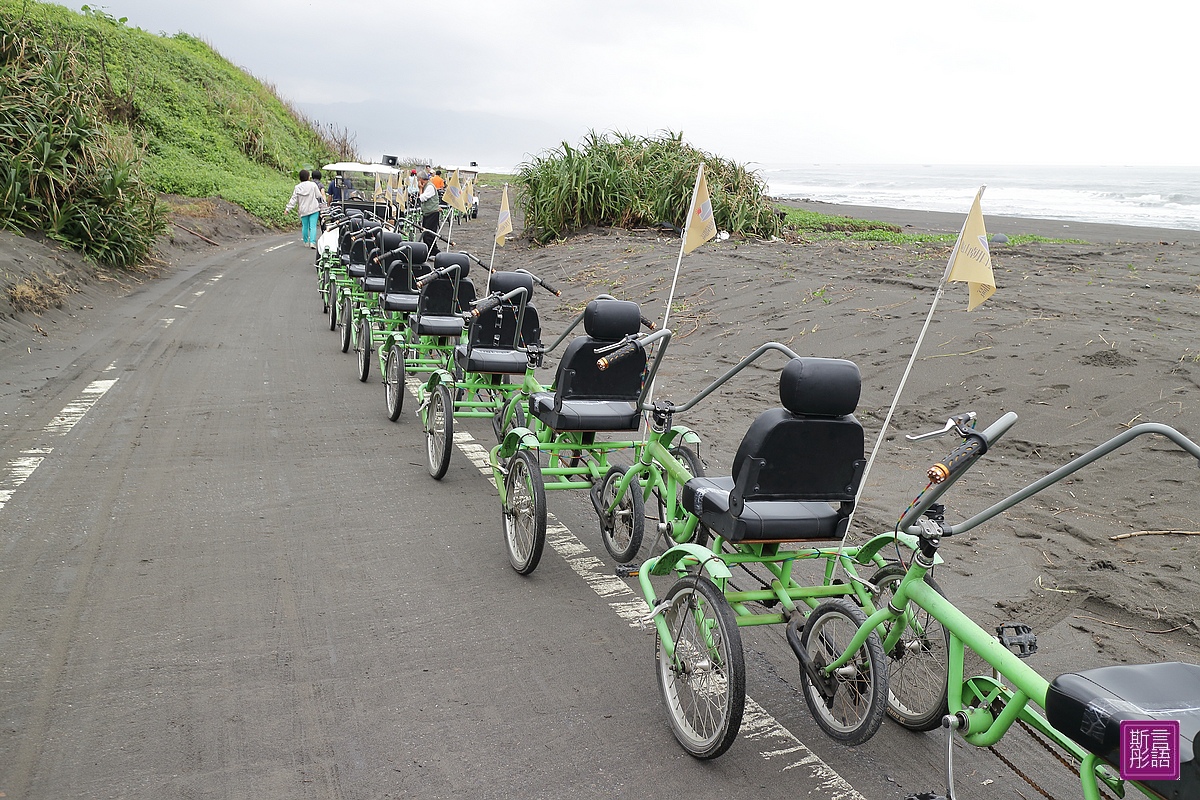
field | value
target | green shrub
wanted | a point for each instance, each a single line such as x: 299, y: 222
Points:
x: 631, y: 181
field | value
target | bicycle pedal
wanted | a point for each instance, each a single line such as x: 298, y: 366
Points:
x: 627, y: 570
x: 1017, y: 637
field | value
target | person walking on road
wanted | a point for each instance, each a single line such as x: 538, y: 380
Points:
x: 306, y: 198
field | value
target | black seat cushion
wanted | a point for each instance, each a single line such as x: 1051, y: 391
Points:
x: 373, y: 284
x: 356, y: 270
x: 584, y: 415
x: 789, y: 520
x: 398, y: 301
x: 494, y: 360
x: 1088, y: 706
x: 438, y: 325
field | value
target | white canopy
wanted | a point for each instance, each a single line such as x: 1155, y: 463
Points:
x: 354, y: 166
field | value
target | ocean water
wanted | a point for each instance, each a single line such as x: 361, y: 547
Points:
x: 1157, y: 197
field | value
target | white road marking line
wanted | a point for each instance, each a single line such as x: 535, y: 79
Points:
x: 757, y: 724
x: 276, y: 247
x: 19, y: 469
x: 166, y: 321
x: 197, y: 294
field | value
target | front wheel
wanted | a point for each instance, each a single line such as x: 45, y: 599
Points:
x: 364, y: 350
x: 393, y: 382
x: 333, y: 309
x: 524, y: 512
x: 704, y: 682
x: 848, y: 705
x: 439, y: 431
x: 622, y: 528
x: 919, y: 664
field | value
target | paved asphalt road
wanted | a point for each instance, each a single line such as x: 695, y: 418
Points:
x: 225, y: 574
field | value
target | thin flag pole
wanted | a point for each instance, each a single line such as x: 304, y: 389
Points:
x: 682, y: 243
x: 678, y: 263
x: 907, y: 370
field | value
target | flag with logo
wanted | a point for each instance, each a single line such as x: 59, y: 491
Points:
x: 468, y: 193
x: 970, y: 261
x: 378, y: 195
x: 700, y: 226
x: 504, y: 223
x: 454, y: 195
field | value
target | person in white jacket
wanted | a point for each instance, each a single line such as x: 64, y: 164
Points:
x: 306, y: 197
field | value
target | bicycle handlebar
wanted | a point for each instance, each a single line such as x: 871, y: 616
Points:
x: 628, y: 346
x: 429, y: 278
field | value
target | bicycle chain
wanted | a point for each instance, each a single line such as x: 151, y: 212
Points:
x: 1033, y: 734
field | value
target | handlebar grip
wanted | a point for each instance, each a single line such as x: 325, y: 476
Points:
x: 649, y: 325
x: 616, y: 355
x: 974, y: 446
x: 485, y: 305
x: 549, y: 288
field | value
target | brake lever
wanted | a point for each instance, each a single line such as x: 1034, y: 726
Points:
x: 957, y: 423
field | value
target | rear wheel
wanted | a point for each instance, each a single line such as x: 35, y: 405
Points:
x: 623, y: 527
x: 686, y: 456
x: 573, y: 458
x: 393, y: 382
x: 848, y: 705
x: 524, y: 512
x: 919, y: 663
x: 704, y: 684
x: 516, y: 419
x: 333, y: 309
x: 439, y: 431
x: 346, y: 322
x: 364, y: 350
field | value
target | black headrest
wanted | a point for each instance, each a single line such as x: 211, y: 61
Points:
x: 443, y: 260
x: 822, y: 387
x: 505, y: 282
x: 419, y: 251
x: 389, y: 240
x: 609, y: 320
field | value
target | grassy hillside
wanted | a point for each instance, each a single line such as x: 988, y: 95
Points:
x: 93, y: 109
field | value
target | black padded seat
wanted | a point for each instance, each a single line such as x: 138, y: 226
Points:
x: 792, y: 463
x: 437, y: 325
x: 437, y: 313
x: 373, y: 284
x: 585, y: 415
x: 398, y: 301
x: 398, y: 293
x: 1088, y: 706
x: 356, y: 270
x: 494, y: 342
x: 493, y: 360
x: 781, y: 520
x: 586, y: 398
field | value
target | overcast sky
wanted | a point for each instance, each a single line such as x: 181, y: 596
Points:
x: 769, y: 82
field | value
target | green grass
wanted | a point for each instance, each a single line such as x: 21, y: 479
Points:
x: 121, y: 111
x: 815, y: 225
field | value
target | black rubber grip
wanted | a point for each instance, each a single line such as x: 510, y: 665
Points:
x: 616, y: 355
x: 649, y: 325
x: 967, y: 451
x: 485, y: 305
x: 549, y: 288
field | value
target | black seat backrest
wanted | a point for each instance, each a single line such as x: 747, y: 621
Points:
x: 497, y: 327
x: 402, y: 269
x: 440, y: 296
x: 578, y: 378
x: 812, y: 448
x: 347, y: 230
